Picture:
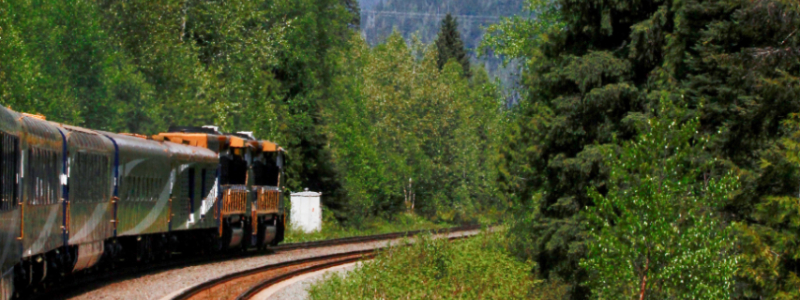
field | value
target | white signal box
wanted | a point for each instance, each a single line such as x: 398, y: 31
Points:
x: 306, y: 213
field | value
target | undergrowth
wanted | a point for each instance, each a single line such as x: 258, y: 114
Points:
x: 332, y: 229
x: 476, y: 268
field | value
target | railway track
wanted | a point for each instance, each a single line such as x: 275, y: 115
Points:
x: 247, y: 284
x: 70, y: 287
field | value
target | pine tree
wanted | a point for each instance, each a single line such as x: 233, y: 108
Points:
x: 450, y: 46
x: 591, y: 79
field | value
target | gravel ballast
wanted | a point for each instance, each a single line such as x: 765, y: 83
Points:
x: 164, y: 284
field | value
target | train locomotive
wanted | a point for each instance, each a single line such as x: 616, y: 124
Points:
x: 74, y: 200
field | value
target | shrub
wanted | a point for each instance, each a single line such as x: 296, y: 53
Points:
x: 478, y: 268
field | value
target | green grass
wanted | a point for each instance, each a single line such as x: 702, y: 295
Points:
x: 331, y: 229
x: 476, y: 268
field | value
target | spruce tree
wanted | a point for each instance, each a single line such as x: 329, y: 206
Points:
x: 591, y: 79
x: 450, y: 46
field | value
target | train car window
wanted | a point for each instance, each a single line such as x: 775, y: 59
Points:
x: 129, y: 183
x: 156, y: 188
x: 150, y: 190
x: 13, y: 179
x: 83, y: 170
x: 54, y: 182
x: 105, y: 179
x: 151, y: 181
x: 5, y: 160
x: 106, y: 176
x: 146, y: 193
x: 34, y: 182
x: 134, y: 188
x: 42, y: 176
x: 9, y: 166
x: 31, y: 175
x: 153, y: 190
x: 76, y: 180
x: 90, y: 178
x: 190, y: 189
x: 74, y: 183
x: 94, y: 174
x: 39, y: 165
x: 47, y: 177
x: 266, y: 170
x: 137, y: 189
x: 142, y: 189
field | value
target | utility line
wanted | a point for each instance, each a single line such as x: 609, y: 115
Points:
x: 413, y: 14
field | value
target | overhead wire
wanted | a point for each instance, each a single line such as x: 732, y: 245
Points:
x: 436, y: 15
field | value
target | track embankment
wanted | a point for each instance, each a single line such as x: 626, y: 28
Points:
x: 173, y: 282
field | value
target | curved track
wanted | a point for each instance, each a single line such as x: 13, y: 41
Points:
x: 246, y: 284
x: 99, y: 278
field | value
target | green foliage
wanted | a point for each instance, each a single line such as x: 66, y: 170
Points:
x: 595, y: 73
x: 517, y: 37
x: 769, y: 243
x: 405, y: 135
x: 449, y: 45
x: 357, y: 123
x: 141, y: 66
x: 478, y: 268
x: 657, y: 233
x: 333, y: 229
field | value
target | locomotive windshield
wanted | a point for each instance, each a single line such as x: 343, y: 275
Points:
x: 233, y: 170
x: 267, y: 169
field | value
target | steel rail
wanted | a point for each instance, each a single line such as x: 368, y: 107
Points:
x: 346, y: 257
x: 197, y: 289
x: 87, y: 282
x: 264, y: 284
x: 251, y: 292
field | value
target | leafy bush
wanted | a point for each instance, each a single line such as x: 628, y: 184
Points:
x: 657, y: 233
x: 478, y: 268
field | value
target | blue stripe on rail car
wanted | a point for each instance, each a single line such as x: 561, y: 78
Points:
x: 116, y: 182
x: 64, y: 189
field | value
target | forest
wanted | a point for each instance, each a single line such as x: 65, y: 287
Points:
x: 370, y: 126
x: 420, y: 19
x: 653, y: 152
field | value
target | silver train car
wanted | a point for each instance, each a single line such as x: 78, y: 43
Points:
x: 74, y: 199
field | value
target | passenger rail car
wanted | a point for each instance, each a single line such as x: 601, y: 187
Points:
x: 73, y: 199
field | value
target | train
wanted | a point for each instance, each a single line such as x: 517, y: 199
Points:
x: 75, y: 200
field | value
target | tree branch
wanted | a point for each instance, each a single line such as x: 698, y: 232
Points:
x: 644, y: 278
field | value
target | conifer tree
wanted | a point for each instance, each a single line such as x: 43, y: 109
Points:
x: 603, y: 70
x: 450, y: 46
